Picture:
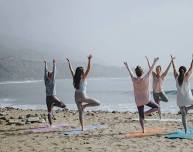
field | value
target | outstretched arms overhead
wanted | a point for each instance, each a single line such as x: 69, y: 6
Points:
x: 152, y: 66
x: 45, y: 69
x: 174, y: 67
x: 189, y: 72
x: 149, y: 65
x: 130, y: 71
x: 70, y: 67
x: 88, y: 67
x: 54, y: 69
x: 167, y: 69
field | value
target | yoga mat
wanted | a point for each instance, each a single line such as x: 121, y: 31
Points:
x: 78, y: 131
x: 148, y: 132
x: 163, y: 120
x: 180, y: 134
x: 47, y: 128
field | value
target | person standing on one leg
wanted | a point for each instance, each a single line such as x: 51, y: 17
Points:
x: 158, y: 80
x: 80, y: 83
x: 51, y: 99
x: 141, y: 91
x: 184, y: 94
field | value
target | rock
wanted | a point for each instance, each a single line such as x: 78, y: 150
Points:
x: 1, y: 122
x: 90, y: 114
x: 16, y: 122
x: 21, y: 123
x: 42, y: 121
x: 3, y: 114
x: 33, y: 119
x: 42, y: 115
x: 9, y: 108
x: 3, y: 118
x: 11, y: 117
x: 28, y: 115
x: 114, y: 112
x: 21, y: 117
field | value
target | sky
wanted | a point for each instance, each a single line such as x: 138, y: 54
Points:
x: 112, y: 30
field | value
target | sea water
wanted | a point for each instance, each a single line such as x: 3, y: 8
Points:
x: 113, y: 93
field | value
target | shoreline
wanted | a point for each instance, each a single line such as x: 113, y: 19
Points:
x: 73, y: 107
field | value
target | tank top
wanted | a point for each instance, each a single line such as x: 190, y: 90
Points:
x: 82, y: 86
x: 184, y: 94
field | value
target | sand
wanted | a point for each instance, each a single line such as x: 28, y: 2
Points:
x: 15, y: 138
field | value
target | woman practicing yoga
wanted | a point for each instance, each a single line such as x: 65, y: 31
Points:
x: 141, y: 91
x: 158, y: 79
x: 184, y: 94
x: 79, y: 82
x: 51, y: 99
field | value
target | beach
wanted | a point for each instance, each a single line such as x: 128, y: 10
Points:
x: 111, y: 138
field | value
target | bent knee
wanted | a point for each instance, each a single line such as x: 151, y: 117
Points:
x: 98, y: 103
x: 63, y: 106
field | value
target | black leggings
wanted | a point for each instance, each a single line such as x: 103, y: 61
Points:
x: 141, y: 108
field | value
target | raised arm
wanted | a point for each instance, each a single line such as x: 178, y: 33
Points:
x: 166, y: 71
x: 88, y: 67
x: 54, y: 69
x: 189, y: 72
x: 70, y: 67
x: 45, y: 70
x: 152, y: 66
x: 148, y: 61
x: 130, y: 71
x: 174, y: 67
x: 149, y: 65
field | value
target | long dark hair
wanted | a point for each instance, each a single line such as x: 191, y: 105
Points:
x: 182, y: 71
x: 77, y: 77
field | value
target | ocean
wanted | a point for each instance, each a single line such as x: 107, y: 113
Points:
x: 115, y: 94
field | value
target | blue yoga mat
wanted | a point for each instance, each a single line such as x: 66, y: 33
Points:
x: 181, y: 134
x: 77, y: 131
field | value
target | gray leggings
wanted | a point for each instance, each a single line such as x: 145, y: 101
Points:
x: 80, y: 98
x: 160, y: 96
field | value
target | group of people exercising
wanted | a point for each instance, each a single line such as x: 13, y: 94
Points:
x: 140, y: 81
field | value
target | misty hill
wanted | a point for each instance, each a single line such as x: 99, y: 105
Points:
x: 28, y: 65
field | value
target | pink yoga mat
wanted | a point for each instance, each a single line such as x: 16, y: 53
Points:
x: 148, y: 132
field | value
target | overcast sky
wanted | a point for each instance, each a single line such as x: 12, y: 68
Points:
x: 112, y: 30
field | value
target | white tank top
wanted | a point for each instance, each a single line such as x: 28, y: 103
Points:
x: 82, y: 86
x: 184, y: 94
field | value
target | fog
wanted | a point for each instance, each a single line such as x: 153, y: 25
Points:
x: 112, y: 30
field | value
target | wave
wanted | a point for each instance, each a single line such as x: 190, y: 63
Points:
x: 7, y: 100
x: 174, y: 92
x: 20, y: 82
x: 171, y: 92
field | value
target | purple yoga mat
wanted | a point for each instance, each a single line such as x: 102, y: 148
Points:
x: 47, y: 128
